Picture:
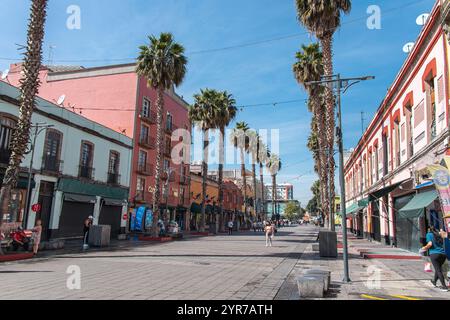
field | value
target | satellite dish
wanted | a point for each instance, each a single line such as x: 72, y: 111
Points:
x: 61, y: 100
x: 422, y: 19
x: 5, y: 74
x: 407, y: 48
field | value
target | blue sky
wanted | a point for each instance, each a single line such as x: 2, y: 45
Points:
x: 111, y: 31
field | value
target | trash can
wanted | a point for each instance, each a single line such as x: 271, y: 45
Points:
x: 328, y: 244
x: 100, y: 235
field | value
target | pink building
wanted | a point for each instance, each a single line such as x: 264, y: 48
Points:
x: 410, y: 131
x: 118, y: 98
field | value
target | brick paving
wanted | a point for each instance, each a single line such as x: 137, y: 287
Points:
x: 217, y: 267
x: 221, y: 267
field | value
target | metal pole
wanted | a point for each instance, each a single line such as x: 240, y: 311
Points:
x: 30, y: 169
x: 332, y: 224
x: 342, y: 184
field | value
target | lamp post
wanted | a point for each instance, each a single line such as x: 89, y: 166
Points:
x: 341, y: 86
x: 38, y: 128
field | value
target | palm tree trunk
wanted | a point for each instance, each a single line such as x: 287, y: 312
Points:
x: 244, y: 181
x: 29, y: 85
x: 327, y: 48
x: 274, y: 196
x: 158, y: 164
x: 220, y: 182
x: 204, y: 176
x: 263, y: 200
x: 254, y: 188
x: 322, y: 152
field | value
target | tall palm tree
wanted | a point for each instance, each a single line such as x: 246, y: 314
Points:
x: 263, y: 156
x: 241, y: 141
x: 253, y: 150
x: 163, y: 64
x: 274, y: 166
x: 224, y: 112
x: 29, y: 87
x: 203, y: 115
x: 323, y: 18
x: 308, y: 68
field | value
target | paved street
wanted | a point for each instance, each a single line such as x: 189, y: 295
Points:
x: 217, y: 267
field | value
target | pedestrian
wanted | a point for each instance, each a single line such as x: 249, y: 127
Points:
x: 268, y: 229
x: 230, y: 227
x: 435, y: 246
x: 37, y: 231
x: 86, y: 227
x: 254, y: 226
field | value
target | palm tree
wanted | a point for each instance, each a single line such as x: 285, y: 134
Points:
x: 274, y: 166
x: 163, y: 64
x: 203, y: 115
x: 323, y: 18
x: 29, y: 87
x: 253, y: 150
x: 224, y: 112
x: 308, y: 68
x: 263, y: 156
x: 241, y: 141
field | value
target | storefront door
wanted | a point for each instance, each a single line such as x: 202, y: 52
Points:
x: 45, y: 200
x: 376, y: 232
x: 407, y: 232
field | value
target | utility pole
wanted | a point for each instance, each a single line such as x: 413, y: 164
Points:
x: 362, y: 123
x: 342, y: 85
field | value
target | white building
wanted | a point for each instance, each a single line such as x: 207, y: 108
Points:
x: 80, y: 168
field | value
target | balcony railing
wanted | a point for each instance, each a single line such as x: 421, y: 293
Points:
x: 145, y: 169
x: 171, y: 176
x: 170, y: 127
x: 167, y: 150
x: 51, y: 164
x: 147, y: 142
x: 113, y: 178
x: 4, y: 155
x: 149, y: 118
x: 86, y: 172
x: 184, y: 180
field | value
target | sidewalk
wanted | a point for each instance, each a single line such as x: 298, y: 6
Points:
x: 375, y: 279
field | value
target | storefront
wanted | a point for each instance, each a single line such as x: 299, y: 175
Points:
x: 415, y: 217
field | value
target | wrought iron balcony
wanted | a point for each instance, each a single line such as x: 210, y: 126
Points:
x: 170, y: 127
x: 51, y: 165
x: 86, y: 172
x: 149, y: 118
x: 145, y: 169
x: 113, y: 178
x: 147, y: 142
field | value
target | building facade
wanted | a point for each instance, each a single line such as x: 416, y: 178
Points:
x: 116, y: 97
x: 410, y: 131
x: 80, y: 168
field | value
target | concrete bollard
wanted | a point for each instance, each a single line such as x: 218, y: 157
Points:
x: 323, y: 273
x: 315, y: 247
x: 310, y: 286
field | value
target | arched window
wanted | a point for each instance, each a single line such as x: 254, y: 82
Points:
x: 7, y: 127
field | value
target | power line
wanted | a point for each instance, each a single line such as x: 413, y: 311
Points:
x: 231, y: 47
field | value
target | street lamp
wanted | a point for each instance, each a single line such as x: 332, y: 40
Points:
x: 38, y: 128
x: 341, y: 86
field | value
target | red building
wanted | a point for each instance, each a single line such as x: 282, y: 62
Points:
x: 118, y: 98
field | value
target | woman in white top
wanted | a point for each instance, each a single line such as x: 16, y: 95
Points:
x: 268, y: 229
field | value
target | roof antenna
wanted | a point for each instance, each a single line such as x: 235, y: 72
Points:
x: 50, y: 54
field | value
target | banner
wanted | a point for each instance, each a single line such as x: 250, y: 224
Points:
x: 441, y: 179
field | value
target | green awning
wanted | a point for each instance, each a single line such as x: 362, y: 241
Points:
x: 361, y: 204
x: 416, y: 207
x: 384, y: 191
x: 89, y: 188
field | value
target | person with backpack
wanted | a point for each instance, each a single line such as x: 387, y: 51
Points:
x: 435, y: 246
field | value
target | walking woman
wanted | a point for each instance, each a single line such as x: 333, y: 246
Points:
x: 268, y: 229
x: 37, y: 231
x: 435, y: 245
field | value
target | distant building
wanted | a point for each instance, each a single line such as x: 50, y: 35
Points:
x: 284, y: 195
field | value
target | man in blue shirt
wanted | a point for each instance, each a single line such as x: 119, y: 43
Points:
x: 435, y: 245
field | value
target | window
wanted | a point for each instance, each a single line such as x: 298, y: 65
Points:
x: 375, y: 161
x: 7, y: 127
x: 87, y: 156
x: 397, y: 143
x: 168, y: 146
x: 113, y: 166
x: 166, y: 166
x: 52, y: 150
x: 169, y: 121
x: 140, y: 188
x: 146, y: 105
x: 385, y: 155
x: 432, y: 121
x: 142, y: 160
x: 144, y: 134
x: 409, y: 131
